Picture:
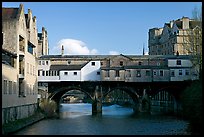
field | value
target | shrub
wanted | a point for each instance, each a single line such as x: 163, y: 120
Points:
x: 48, y: 107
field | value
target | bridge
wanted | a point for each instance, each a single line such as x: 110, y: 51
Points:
x: 163, y: 95
x: 152, y: 82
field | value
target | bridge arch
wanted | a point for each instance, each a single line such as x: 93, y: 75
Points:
x: 166, y: 100
x: 130, y: 91
x: 57, y: 95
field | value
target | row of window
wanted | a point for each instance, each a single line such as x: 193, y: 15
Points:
x: 55, y: 73
x: 9, y: 87
x: 147, y: 73
x: 43, y: 62
x: 48, y: 73
x: 46, y: 63
x: 31, y: 69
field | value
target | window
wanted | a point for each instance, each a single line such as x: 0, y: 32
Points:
x: 187, y: 72
x: 107, y: 73
x: 28, y: 68
x: 161, y: 72
x: 10, y: 87
x: 43, y: 62
x: 178, y: 62
x: 128, y: 73
x: 30, y: 47
x: 43, y: 73
x: 138, y: 73
x: 92, y: 63
x: 180, y: 72
x: 33, y: 89
x: 38, y: 72
x: 65, y: 73
x: 57, y: 73
x: 98, y: 73
x: 69, y: 62
x: 75, y: 73
x: 5, y: 86
x: 139, y: 63
x: 46, y: 73
x: 117, y: 73
x: 46, y: 62
x: 172, y: 73
x: 147, y: 72
x: 39, y: 62
x: 31, y: 69
x: 155, y: 73
x: 14, y: 87
x: 101, y: 63
x: 121, y: 63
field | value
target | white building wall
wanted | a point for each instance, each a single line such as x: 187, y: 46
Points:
x: 70, y: 75
x: 48, y: 78
x: 44, y: 64
x: 184, y: 63
x: 182, y: 77
x: 89, y: 71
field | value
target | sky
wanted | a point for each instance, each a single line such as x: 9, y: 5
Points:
x: 103, y: 28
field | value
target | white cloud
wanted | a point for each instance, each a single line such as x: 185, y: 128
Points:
x: 114, y: 53
x: 147, y: 53
x: 73, y: 47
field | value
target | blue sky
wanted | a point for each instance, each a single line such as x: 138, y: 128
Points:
x: 103, y: 27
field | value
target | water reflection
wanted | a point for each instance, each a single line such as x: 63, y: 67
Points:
x: 77, y: 119
x: 81, y: 109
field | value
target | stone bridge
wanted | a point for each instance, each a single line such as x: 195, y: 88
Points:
x: 146, y: 96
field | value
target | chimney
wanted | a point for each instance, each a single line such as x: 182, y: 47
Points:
x: 171, y: 23
x: 143, y: 50
x: 62, y: 50
x: 185, y: 23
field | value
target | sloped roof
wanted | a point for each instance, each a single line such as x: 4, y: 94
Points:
x: 67, y: 67
x: 9, y: 13
x: 193, y: 24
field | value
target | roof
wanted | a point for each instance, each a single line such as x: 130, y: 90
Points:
x: 67, y: 67
x: 9, y: 13
x: 100, y: 57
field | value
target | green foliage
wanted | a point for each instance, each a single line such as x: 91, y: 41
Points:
x: 192, y: 106
x: 48, y: 107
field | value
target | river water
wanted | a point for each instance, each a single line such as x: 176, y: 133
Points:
x: 77, y: 119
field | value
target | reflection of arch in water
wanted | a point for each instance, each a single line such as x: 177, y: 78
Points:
x: 165, y: 100
x: 72, y: 94
x: 57, y: 95
x: 130, y: 92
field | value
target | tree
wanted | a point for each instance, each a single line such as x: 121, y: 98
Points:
x: 192, y: 40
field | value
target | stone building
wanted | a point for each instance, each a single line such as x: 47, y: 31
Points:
x: 174, y: 38
x: 43, y: 43
x: 19, y: 64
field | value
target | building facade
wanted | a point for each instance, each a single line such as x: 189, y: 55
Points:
x: 131, y: 68
x: 176, y: 37
x: 19, y: 64
x: 43, y: 47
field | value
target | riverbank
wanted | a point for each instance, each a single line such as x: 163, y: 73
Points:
x: 12, y: 127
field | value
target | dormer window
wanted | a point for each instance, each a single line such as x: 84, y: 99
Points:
x: 178, y: 62
x: 121, y: 63
x: 92, y: 63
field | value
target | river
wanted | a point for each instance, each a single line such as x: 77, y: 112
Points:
x: 77, y: 119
